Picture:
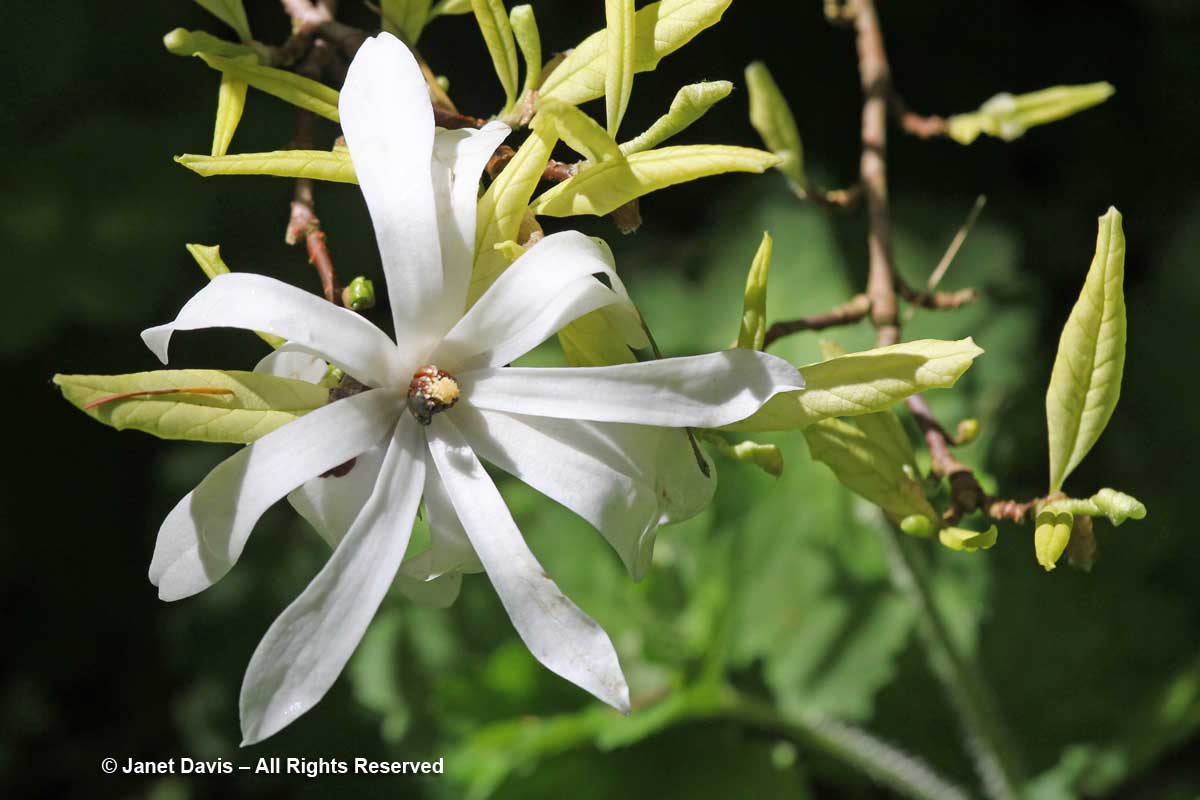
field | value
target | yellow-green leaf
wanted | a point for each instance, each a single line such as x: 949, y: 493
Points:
x: 867, y: 468
x: 690, y: 104
x: 231, y: 12
x: 498, y: 35
x: 182, y: 42
x: 1051, y: 536
x: 602, y: 188
x: 525, y: 29
x: 967, y: 540
x: 1008, y: 116
x: 580, y: 132
x: 450, y: 7
x: 405, y: 18
x: 618, y: 67
x: 204, y: 405
x: 594, y: 341
x: 659, y: 30
x: 753, y: 331
x: 864, y: 383
x: 767, y: 457
x: 1117, y: 506
x: 772, y: 118
x: 208, y: 257
x: 231, y: 102
x: 885, y: 429
x: 1086, y: 381
x: 503, y: 206
x: 322, y: 165
x: 288, y: 86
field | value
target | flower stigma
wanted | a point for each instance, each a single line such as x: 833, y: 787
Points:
x: 432, y: 390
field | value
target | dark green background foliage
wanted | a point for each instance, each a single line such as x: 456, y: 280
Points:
x: 781, y: 585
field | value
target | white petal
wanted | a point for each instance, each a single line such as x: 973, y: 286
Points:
x: 583, y: 466
x: 332, y: 504
x: 458, y: 160
x: 450, y: 547
x: 567, y: 641
x: 418, y: 582
x: 544, y: 289
x: 310, y: 324
x: 701, y: 391
x: 203, y: 536
x: 294, y: 364
x: 307, y: 646
x: 387, y: 118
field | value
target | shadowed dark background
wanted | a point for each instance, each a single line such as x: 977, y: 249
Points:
x: 93, y: 221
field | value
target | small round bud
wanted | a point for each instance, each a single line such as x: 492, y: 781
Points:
x: 432, y: 391
x: 968, y: 429
x: 359, y: 295
x: 917, y: 525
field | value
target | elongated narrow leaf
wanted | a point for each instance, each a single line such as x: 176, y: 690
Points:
x: 618, y: 66
x: 231, y: 12
x: 1117, y: 506
x: 867, y: 468
x: 321, y: 165
x: 604, y: 187
x: 450, y: 7
x: 1008, y: 116
x: 1086, y: 381
x: 864, y: 383
x: 239, y: 406
x: 504, y: 204
x: 659, y: 30
x: 525, y: 29
x: 772, y: 117
x: 497, y: 33
x: 231, y: 102
x: 182, y: 42
x: 690, y: 104
x: 405, y: 18
x: 288, y: 86
x: 753, y: 331
x: 208, y: 257
x: 580, y: 132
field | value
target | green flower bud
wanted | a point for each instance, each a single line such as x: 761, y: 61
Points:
x: 917, y: 525
x: 968, y: 429
x: 359, y: 295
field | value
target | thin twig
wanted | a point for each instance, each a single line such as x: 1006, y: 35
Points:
x: 853, y: 310
x: 919, y: 125
x: 956, y: 244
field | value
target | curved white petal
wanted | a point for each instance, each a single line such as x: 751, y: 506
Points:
x: 310, y: 324
x: 294, y: 364
x: 307, y: 646
x: 419, y: 582
x: 387, y: 118
x: 332, y: 504
x: 449, y: 547
x: 203, y: 536
x: 459, y: 157
x: 547, y: 287
x: 567, y: 641
x: 701, y: 391
x: 585, y: 466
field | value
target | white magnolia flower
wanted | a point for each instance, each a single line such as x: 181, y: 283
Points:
x: 435, y: 401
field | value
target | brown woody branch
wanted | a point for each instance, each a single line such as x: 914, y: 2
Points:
x: 853, y: 310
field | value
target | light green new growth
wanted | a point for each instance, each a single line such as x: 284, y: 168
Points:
x: 619, y: 65
x: 450, y: 7
x: 1051, y: 536
x: 753, y: 331
x: 247, y: 407
x: 525, y: 29
x: 968, y: 541
x: 288, y: 86
x: 885, y: 429
x: 690, y: 104
x: 208, y: 257
x: 1007, y: 116
x: 231, y: 102
x: 580, y: 132
x: 604, y: 187
x: 405, y: 18
x: 868, y: 468
x: 322, y: 165
x: 182, y: 42
x: 772, y: 118
x: 659, y: 30
x: 231, y: 12
x: 864, y: 383
x: 497, y: 33
x: 504, y: 204
x: 766, y: 457
x: 1117, y: 506
x: 1086, y: 381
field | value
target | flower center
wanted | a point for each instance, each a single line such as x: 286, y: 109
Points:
x: 432, y: 390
